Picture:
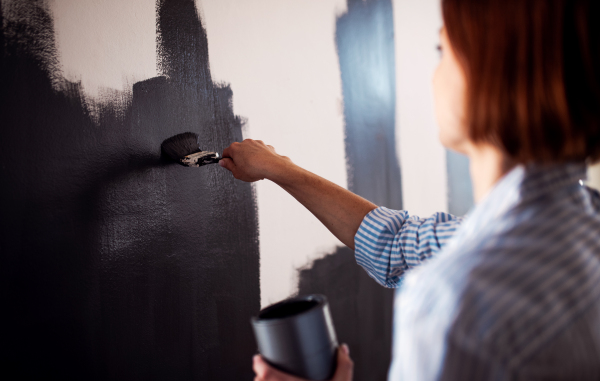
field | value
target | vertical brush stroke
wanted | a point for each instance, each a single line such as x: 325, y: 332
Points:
x: 116, y: 264
x: 361, y: 309
x: 460, y: 190
x: 365, y: 42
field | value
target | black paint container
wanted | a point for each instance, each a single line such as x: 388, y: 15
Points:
x: 297, y: 336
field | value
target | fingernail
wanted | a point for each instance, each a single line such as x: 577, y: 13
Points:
x: 346, y: 349
x: 221, y: 163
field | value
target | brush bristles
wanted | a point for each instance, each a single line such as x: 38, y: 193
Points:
x: 179, y: 146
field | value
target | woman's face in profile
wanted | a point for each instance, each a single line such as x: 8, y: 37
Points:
x: 449, y: 86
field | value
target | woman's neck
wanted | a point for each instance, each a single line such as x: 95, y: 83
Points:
x: 488, y: 164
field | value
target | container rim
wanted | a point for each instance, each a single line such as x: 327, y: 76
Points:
x: 320, y: 301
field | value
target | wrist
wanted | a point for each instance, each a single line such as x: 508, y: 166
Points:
x: 282, y: 171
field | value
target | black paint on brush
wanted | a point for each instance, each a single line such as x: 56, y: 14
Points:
x: 361, y: 309
x: 184, y: 149
x: 180, y: 145
x: 115, y: 264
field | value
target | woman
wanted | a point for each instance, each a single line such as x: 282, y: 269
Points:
x: 513, y: 291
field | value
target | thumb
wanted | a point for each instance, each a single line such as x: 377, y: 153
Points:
x: 345, y: 365
x: 227, y: 163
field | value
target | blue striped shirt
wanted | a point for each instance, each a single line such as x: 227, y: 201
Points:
x: 510, y: 293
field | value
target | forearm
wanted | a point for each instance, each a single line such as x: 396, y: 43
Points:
x: 340, y: 210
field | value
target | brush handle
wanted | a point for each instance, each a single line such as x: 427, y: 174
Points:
x: 212, y: 161
x: 201, y: 158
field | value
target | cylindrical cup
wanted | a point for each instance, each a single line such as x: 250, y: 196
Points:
x: 297, y: 336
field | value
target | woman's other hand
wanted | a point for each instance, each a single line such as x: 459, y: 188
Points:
x: 264, y: 372
x: 252, y: 160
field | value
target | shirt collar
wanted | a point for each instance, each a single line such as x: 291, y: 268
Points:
x: 522, y: 185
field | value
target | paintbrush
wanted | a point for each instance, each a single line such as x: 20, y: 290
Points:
x: 185, y: 149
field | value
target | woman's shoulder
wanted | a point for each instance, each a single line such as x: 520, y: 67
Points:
x: 526, y: 285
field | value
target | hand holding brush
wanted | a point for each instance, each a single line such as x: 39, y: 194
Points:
x: 253, y: 160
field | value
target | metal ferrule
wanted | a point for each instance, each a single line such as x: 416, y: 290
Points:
x: 200, y: 158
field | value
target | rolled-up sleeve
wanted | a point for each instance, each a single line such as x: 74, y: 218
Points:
x: 389, y: 242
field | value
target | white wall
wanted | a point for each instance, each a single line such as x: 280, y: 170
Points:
x: 280, y: 59
x: 288, y: 86
x: 106, y: 43
x: 422, y: 157
x: 594, y: 176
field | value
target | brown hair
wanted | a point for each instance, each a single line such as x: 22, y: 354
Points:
x: 533, y: 75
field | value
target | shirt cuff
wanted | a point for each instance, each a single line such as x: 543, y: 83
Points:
x: 374, y: 246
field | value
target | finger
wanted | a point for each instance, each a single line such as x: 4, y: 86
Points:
x: 271, y: 148
x: 227, y: 152
x: 227, y: 164
x: 268, y: 373
x: 345, y: 366
x: 345, y: 348
x: 260, y: 367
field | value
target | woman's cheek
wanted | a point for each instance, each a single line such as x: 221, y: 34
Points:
x: 443, y: 107
x: 449, y: 88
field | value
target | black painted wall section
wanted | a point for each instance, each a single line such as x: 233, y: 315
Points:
x: 361, y: 309
x: 114, y: 263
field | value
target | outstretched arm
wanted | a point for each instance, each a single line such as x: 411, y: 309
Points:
x: 340, y: 210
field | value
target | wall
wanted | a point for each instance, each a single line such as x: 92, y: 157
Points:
x: 287, y: 85
x: 594, y: 176
x: 422, y: 157
x: 326, y: 108
x: 117, y: 264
